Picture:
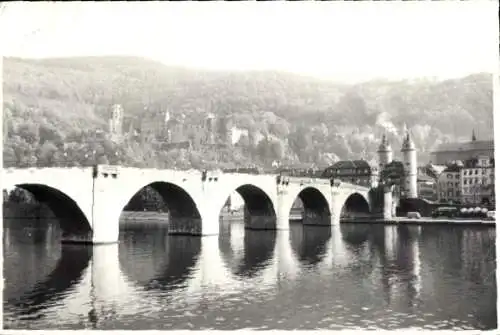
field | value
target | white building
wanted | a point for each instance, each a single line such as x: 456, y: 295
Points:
x: 449, y: 186
x: 478, y: 180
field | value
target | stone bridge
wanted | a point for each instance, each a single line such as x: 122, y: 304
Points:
x: 88, y: 201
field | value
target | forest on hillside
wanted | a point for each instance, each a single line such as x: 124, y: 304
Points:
x: 54, y: 107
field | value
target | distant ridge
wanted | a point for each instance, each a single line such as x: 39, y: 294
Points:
x: 74, y: 94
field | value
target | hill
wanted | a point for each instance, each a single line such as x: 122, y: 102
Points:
x: 53, y: 107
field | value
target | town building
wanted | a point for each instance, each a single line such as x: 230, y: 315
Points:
x: 210, y: 128
x: 153, y: 124
x: 176, y: 130
x: 393, y: 174
x: 115, y: 121
x: 432, y: 170
x: 427, y: 187
x: 447, y: 152
x: 357, y: 172
x: 478, y: 180
x: 449, y: 184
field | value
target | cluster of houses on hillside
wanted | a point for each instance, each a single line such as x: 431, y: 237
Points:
x: 172, y: 130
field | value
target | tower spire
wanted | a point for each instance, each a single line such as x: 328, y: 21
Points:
x: 473, y: 134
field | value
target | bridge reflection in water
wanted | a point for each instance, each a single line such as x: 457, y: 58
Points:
x: 339, y: 277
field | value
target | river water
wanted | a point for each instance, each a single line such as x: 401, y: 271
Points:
x: 353, y: 276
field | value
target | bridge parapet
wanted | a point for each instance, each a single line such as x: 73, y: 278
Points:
x: 102, y: 191
x: 340, y: 184
x: 308, y: 180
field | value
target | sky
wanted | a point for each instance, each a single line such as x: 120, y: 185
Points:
x: 342, y: 41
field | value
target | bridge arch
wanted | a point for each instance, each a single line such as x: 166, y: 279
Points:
x: 355, y: 205
x: 259, y: 208
x: 184, y: 216
x: 72, y: 219
x: 316, y: 208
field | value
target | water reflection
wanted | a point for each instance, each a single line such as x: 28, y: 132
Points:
x: 155, y: 260
x: 310, y: 243
x: 28, y: 258
x: 355, y: 234
x: 251, y: 250
x: 452, y: 255
x: 383, y: 277
x: 66, y: 275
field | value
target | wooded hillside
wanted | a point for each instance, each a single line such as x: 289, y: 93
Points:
x: 53, y: 107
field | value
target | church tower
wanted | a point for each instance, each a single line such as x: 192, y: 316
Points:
x: 115, y: 120
x: 210, y: 128
x: 384, y: 153
x: 409, y: 152
x: 473, y: 135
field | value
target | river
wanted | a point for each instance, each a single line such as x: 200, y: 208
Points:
x: 352, y: 276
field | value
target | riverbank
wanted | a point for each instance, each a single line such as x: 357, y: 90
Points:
x: 423, y: 221
x: 156, y: 218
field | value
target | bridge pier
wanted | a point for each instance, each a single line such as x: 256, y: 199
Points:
x: 283, y: 214
x: 104, y: 225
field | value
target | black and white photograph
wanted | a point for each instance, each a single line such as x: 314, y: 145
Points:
x: 249, y: 165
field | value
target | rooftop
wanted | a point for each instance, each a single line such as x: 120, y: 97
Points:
x: 474, y: 162
x: 351, y: 164
x: 453, y: 168
x: 408, y: 143
x: 424, y: 178
x: 384, y: 145
x: 466, y: 146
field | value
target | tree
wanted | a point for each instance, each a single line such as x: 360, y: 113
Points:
x: 279, y: 128
x: 48, y: 132
x: 46, y: 154
x: 9, y: 156
x: 29, y: 132
x: 300, y: 141
x: 277, y: 150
